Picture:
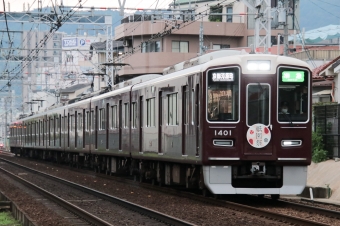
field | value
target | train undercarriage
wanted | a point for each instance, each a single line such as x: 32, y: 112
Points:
x: 258, y: 178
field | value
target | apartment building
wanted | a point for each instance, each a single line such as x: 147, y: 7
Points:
x: 155, y: 41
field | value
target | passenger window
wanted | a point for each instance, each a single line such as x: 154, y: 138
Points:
x: 172, y: 109
x: 150, y: 106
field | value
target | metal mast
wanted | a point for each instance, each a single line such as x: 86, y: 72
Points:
x: 262, y: 8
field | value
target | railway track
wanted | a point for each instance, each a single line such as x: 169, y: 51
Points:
x: 238, y: 206
x: 92, y: 196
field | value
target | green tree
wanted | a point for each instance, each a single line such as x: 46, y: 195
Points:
x: 319, y: 154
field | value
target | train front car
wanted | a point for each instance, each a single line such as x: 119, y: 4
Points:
x: 257, y: 125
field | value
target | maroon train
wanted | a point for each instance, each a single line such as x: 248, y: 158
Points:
x: 214, y: 122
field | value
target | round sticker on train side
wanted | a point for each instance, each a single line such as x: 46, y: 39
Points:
x: 258, y: 135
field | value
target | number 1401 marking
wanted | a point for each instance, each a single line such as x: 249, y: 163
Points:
x: 222, y: 132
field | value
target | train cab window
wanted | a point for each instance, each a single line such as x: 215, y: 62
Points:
x: 293, y: 91
x: 223, y: 95
x: 102, y: 119
x: 114, y: 117
x: 172, y: 109
x: 150, y: 112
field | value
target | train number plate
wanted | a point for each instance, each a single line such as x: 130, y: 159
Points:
x: 222, y: 132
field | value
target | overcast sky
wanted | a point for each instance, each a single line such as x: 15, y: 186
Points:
x: 17, y: 5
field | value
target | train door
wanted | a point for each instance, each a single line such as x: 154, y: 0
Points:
x: 120, y: 124
x: 258, y: 116
x: 107, y: 125
x: 141, y: 124
x: 197, y: 118
x: 160, y: 121
x: 185, y: 118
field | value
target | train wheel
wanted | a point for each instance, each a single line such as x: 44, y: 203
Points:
x: 205, y: 192
x: 275, y: 197
x: 216, y: 196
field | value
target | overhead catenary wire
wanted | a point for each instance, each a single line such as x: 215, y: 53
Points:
x: 53, y: 29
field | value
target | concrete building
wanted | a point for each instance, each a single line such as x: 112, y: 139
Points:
x: 155, y: 42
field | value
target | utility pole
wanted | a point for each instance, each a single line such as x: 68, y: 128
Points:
x: 202, y: 49
x: 285, y: 38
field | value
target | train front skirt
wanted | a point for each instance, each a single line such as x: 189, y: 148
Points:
x: 218, y: 179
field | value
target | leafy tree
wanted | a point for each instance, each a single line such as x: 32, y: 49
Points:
x: 319, y: 154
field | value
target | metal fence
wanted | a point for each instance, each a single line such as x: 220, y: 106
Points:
x: 327, y: 120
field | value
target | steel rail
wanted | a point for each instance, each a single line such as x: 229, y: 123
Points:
x: 228, y: 204
x: 128, y: 205
x: 63, y: 203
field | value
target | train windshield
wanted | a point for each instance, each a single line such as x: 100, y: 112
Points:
x: 223, y: 95
x: 293, y: 90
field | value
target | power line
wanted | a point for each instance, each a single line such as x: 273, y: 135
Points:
x: 324, y: 9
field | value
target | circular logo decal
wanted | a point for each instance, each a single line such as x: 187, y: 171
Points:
x: 82, y: 42
x: 258, y: 135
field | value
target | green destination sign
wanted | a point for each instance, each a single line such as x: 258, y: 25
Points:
x: 293, y: 76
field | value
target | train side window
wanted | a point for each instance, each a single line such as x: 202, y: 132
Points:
x: 172, y: 109
x: 223, y: 95
x: 72, y: 123
x: 102, y: 119
x: 150, y: 112
x: 93, y: 121
x: 87, y: 121
x: 80, y: 122
x: 114, y: 117
x: 134, y: 115
x: 185, y: 104
x: 293, y: 91
x: 126, y: 115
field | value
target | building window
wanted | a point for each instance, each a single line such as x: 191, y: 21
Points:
x: 215, y: 9
x: 172, y: 109
x: 180, y: 47
x: 114, y: 117
x: 134, y: 115
x: 150, y: 105
x: 148, y: 47
x: 229, y: 16
x: 221, y: 46
x: 102, y: 119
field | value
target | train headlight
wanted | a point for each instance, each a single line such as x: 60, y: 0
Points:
x: 291, y: 143
x: 255, y: 65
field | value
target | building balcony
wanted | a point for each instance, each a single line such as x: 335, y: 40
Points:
x: 147, y: 28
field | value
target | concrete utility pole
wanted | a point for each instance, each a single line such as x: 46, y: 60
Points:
x: 285, y: 38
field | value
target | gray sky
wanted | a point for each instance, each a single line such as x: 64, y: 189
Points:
x: 17, y: 5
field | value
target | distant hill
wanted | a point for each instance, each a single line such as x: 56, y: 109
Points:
x: 319, y: 13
